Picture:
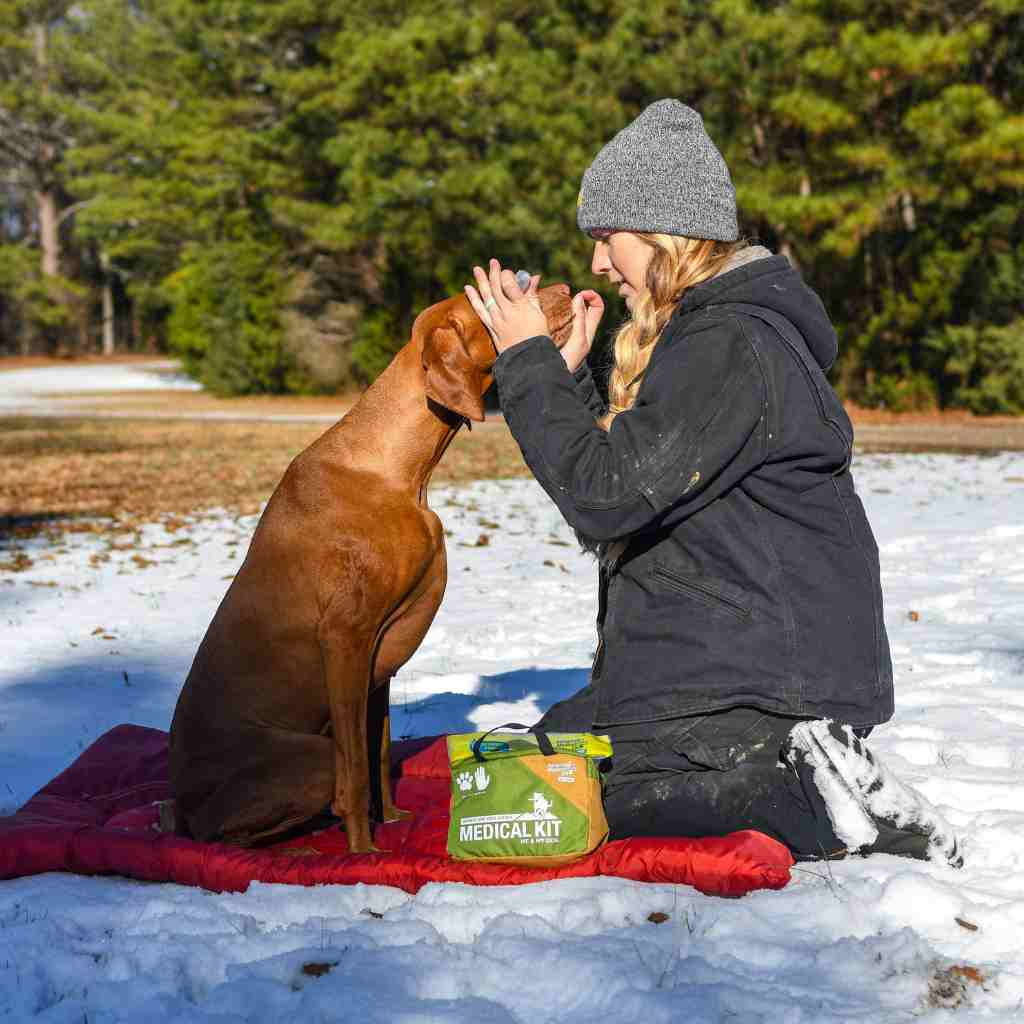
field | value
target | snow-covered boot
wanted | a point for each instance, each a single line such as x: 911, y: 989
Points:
x: 870, y: 809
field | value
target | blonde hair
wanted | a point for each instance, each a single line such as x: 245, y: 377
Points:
x: 677, y: 264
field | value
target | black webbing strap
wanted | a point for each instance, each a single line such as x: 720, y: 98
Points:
x: 543, y: 742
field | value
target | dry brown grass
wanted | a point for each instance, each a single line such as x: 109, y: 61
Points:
x: 181, y: 403
x: 955, y: 986
x: 56, y: 472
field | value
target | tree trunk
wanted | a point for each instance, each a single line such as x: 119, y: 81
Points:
x: 49, y: 245
x: 46, y: 198
x: 46, y: 193
x: 907, y: 211
x: 49, y: 233
x: 108, y: 306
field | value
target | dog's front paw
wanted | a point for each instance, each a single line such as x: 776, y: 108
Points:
x: 396, y: 814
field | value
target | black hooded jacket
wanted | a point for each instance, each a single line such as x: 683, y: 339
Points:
x: 750, y: 574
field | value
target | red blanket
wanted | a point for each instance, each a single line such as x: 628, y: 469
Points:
x: 99, y: 817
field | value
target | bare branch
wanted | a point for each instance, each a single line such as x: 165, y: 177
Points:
x: 74, y: 208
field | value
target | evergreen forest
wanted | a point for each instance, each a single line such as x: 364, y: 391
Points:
x: 272, y: 189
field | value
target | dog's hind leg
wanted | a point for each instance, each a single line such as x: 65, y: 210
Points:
x: 283, y: 780
x: 346, y: 667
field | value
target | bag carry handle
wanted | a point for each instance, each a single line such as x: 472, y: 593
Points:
x: 543, y: 742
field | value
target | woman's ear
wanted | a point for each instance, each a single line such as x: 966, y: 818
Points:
x: 452, y: 378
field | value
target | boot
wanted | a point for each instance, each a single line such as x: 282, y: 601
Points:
x: 870, y: 809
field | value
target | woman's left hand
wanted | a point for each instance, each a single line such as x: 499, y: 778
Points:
x: 587, y: 310
x: 509, y: 314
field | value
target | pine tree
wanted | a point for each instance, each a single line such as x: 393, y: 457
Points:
x: 282, y: 185
x: 34, y: 136
x: 881, y: 146
x: 188, y: 142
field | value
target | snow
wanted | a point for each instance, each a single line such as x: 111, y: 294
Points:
x: 859, y: 790
x: 876, y: 938
x: 25, y: 390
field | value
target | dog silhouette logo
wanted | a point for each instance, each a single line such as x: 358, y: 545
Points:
x: 541, y: 807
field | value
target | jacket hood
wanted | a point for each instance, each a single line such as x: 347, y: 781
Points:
x: 755, y: 276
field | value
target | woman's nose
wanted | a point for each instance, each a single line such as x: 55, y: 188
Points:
x: 600, y: 264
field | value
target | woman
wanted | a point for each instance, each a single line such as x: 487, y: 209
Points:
x: 742, y: 651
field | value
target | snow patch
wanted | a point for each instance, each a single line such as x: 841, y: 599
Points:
x: 845, y: 942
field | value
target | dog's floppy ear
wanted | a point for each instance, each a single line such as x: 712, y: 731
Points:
x: 453, y: 379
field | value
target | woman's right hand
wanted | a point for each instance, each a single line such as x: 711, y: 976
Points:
x: 587, y: 310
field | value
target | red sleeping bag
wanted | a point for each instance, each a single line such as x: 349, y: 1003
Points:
x: 99, y: 817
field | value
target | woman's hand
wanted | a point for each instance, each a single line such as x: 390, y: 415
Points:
x: 509, y: 314
x: 587, y: 310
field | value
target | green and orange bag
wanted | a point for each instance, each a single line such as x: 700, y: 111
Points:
x: 528, y: 799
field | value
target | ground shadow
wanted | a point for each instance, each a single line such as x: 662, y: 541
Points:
x: 50, y: 715
x: 522, y: 695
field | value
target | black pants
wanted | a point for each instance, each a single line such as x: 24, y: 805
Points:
x: 705, y: 775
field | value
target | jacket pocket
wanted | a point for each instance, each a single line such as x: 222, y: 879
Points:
x: 703, y: 589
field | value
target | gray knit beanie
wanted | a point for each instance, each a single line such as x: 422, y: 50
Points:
x: 661, y: 173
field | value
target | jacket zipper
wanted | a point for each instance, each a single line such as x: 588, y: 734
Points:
x: 604, y: 579
x: 692, y: 586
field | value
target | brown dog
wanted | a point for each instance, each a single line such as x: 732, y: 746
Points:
x: 285, y: 709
